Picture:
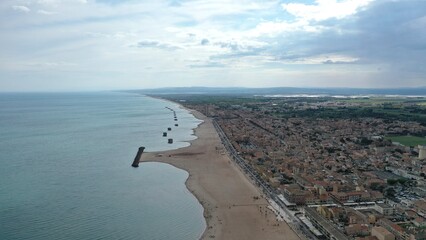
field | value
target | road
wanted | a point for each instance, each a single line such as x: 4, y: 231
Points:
x: 298, y: 227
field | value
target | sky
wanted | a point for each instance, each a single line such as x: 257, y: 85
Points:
x: 73, y: 45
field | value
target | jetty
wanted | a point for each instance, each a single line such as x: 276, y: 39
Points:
x: 135, y: 163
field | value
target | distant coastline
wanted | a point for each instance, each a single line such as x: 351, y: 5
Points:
x: 409, y: 92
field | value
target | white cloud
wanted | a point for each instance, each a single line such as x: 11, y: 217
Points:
x: 202, y: 10
x: 49, y: 65
x: 44, y: 12
x: 21, y: 8
x: 325, y: 9
x: 325, y: 59
x: 274, y: 28
x: 158, y: 44
x: 57, y: 2
x: 139, y: 42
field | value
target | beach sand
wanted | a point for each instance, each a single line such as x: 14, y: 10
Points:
x: 233, y: 206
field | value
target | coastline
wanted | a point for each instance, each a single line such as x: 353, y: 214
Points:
x: 233, y: 207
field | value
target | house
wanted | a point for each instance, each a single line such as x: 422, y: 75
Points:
x: 395, y: 229
x: 382, y: 234
x: 419, y: 222
x: 357, y: 230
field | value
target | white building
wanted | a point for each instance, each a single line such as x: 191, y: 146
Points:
x: 384, y: 209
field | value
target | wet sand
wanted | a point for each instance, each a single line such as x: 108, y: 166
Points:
x: 233, y: 206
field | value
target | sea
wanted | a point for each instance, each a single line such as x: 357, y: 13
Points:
x: 65, y: 168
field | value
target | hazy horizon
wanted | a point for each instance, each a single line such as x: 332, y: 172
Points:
x: 284, y: 90
x: 96, y: 45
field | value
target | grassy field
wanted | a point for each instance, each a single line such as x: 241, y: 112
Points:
x: 408, y: 140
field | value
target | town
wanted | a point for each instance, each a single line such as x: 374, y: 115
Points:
x: 342, y: 168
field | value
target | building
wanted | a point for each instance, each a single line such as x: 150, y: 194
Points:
x: 366, y: 238
x: 422, y: 152
x: 419, y: 222
x: 339, y: 197
x: 395, y: 229
x: 324, y: 226
x: 294, y: 194
x: 382, y: 234
x: 357, y: 230
x: 384, y: 209
x: 343, y: 197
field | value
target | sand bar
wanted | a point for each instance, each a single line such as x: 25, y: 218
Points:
x: 233, y: 206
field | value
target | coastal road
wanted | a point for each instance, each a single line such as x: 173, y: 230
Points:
x: 297, y: 226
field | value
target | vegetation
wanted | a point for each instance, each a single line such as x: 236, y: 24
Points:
x: 403, y: 114
x: 408, y: 140
x: 391, y: 109
x: 395, y: 181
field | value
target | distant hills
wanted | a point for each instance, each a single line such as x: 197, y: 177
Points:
x: 285, y: 91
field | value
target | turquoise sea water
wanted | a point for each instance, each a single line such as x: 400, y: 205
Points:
x: 65, y: 168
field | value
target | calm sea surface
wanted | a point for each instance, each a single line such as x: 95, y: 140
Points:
x: 65, y: 168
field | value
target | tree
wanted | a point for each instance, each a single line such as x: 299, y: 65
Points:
x: 392, y: 181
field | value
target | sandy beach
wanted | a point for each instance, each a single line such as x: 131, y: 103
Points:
x: 233, y: 206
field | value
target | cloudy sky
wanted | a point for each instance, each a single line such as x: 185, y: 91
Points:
x: 69, y: 45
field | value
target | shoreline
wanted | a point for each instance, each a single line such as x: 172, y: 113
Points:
x: 190, y: 111
x: 233, y: 207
